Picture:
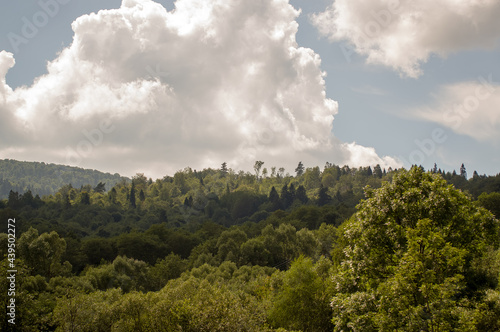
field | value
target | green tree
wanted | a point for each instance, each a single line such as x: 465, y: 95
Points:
x: 312, y: 178
x: 463, y: 171
x: 85, y: 198
x: 328, y: 180
x: 96, y: 311
x: 303, y: 302
x: 300, y: 169
x: 274, y: 199
x: 491, y: 202
x: 229, y: 243
x: 14, y: 201
x: 171, y: 267
x: 112, y: 195
x: 301, y: 194
x: 223, y: 169
x: 256, y: 167
x: 42, y: 253
x: 98, y: 249
x: 142, y: 196
x: 132, y: 195
x: 377, y: 171
x: 323, y: 196
x: 406, y: 258
x: 286, y: 197
x: 100, y: 188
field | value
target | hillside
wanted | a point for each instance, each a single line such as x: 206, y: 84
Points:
x: 46, y: 179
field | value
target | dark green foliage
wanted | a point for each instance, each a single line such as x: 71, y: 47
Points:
x: 85, y: 198
x: 242, y: 203
x: 218, y: 250
x: 491, y: 202
x: 286, y: 197
x: 323, y: 197
x: 377, y: 171
x: 301, y: 194
x: 300, y: 169
x: 223, y: 169
x: 100, y: 188
x: 132, y: 196
x: 275, y: 200
x: 97, y: 250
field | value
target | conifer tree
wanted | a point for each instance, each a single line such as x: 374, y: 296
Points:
x: 300, y: 169
x: 301, y: 194
x: 463, y: 171
x: 132, y: 196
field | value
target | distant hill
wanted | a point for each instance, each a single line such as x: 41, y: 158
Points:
x: 46, y: 179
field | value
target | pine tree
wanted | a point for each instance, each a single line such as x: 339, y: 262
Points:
x: 435, y: 169
x: 100, y: 188
x: 292, y: 193
x: 323, y: 197
x: 377, y: 171
x: 132, y: 195
x: 285, y: 197
x: 300, y: 169
x: 301, y: 194
x: 463, y: 171
x: 223, y: 169
x: 274, y: 198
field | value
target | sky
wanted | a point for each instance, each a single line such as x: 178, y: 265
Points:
x: 138, y: 86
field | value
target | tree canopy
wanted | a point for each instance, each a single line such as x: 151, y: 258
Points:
x: 408, y: 259
x: 338, y: 248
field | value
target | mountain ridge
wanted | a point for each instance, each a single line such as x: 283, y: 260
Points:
x: 47, y: 178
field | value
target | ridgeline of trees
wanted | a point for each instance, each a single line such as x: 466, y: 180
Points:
x: 45, y: 179
x: 332, y: 249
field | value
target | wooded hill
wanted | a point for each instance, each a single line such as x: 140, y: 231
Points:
x: 46, y: 179
x: 338, y: 248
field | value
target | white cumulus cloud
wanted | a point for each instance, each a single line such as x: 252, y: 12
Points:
x: 150, y: 90
x: 402, y: 34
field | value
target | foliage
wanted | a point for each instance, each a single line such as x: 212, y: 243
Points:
x: 302, y: 302
x: 406, y: 257
x: 219, y: 250
x: 45, y: 179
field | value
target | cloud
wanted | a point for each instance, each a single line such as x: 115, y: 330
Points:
x: 467, y: 108
x: 145, y: 89
x: 403, y: 34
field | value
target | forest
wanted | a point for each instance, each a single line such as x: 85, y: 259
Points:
x: 46, y: 179
x: 325, y: 249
